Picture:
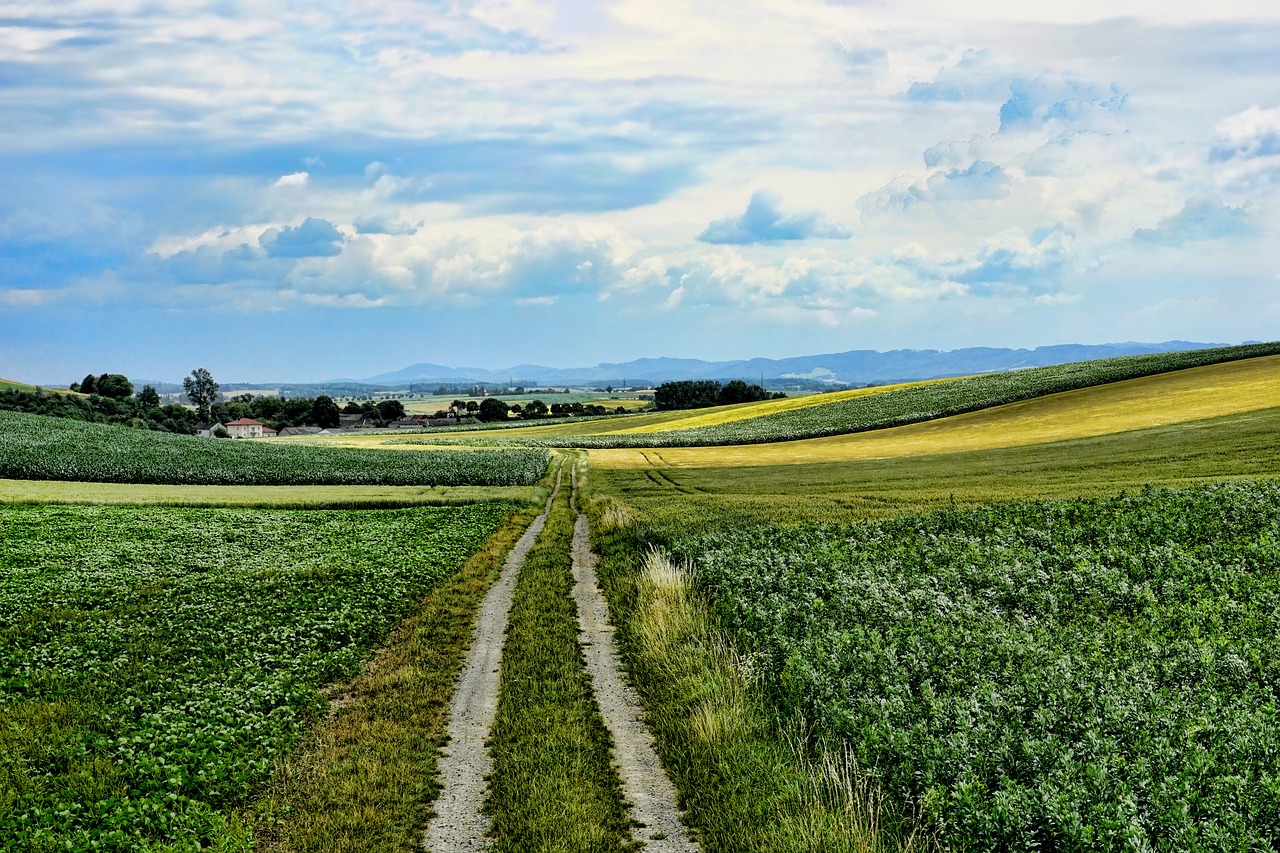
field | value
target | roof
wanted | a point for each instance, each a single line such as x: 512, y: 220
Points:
x: 244, y: 422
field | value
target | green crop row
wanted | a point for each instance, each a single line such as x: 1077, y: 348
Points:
x: 156, y: 663
x: 1079, y: 675
x: 903, y: 406
x: 40, y: 448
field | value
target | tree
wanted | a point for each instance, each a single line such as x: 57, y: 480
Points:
x: 390, y: 410
x: 115, y: 385
x: 473, y: 406
x: 534, y: 409
x: 148, y: 398
x: 493, y: 409
x: 201, y: 390
x: 324, y: 412
x: 351, y: 408
x: 89, y: 385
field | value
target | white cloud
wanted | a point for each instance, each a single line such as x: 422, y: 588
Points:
x: 294, y: 179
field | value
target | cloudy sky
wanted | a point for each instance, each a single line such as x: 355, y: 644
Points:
x: 294, y: 191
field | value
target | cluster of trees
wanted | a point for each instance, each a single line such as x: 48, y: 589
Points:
x: 111, y: 400
x: 701, y: 393
x: 491, y: 409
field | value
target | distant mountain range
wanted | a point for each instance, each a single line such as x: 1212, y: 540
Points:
x: 856, y: 367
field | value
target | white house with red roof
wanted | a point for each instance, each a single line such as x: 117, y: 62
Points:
x: 245, y: 428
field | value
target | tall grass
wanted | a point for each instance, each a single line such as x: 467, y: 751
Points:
x: 751, y: 782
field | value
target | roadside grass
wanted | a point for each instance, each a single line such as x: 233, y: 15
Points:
x: 554, y: 786
x: 1169, y: 398
x: 365, y: 777
x: 750, y: 784
x: 279, y: 497
x: 683, y: 500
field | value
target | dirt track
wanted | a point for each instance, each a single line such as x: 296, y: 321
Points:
x: 459, y: 826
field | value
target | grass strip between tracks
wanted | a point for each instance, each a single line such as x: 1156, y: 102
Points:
x: 365, y: 778
x: 749, y: 785
x: 554, y: 786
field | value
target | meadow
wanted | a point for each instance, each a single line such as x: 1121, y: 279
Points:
x: 158, y: 662
x: 33, y: 447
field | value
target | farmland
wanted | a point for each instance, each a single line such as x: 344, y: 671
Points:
x: 40, y: 448
x: 1007, y: 631
x: 1057, y: 675
x: 158, y: 661
x: 879, y: 409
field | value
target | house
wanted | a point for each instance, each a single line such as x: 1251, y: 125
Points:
x: 300, y: 431
x: 206, y: 429
x: 245, y: 428
x: 353, y: 421
x: 268, y: 432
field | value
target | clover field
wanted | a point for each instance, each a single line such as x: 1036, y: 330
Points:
x: 1072, y: 675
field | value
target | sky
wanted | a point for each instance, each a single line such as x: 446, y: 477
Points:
x: 286, y: 191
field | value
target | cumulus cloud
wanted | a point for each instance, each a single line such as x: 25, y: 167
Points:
x: 377, y: 224
x: 1200, y: 219
x: 313, y: 238
x: 1248, y: 149
x: 764, y: 222
x: 295, y: 179
x: 973, y: 77
x: 980, y: 181
x: 1059, y: 99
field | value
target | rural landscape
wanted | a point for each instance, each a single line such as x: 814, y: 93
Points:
x: 1026, y: 610
x: 639, y: 426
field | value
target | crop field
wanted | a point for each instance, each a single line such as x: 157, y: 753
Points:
x: 1077, y: 675
x: 39, y: 448
x: 887, y: 408
x: 431, y: 405
x: 157, y: 662
x: 279, y: 497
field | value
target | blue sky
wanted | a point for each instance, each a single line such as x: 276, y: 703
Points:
x: 282, y: 191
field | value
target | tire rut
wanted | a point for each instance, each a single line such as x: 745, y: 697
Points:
x: 654, y: 802
x: 458, y: 825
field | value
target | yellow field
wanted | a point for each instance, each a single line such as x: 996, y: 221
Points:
x: 1186, y: 395
x: 745, y: 411
x: 31, y: 491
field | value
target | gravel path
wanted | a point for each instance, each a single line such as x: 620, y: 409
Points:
x: 458, y: 826
x: 654, y: 804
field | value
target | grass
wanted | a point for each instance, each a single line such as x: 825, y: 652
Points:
x: 282, y: 497
x: 554, y: 787
x: 365, y: 777
x: 10, y: 385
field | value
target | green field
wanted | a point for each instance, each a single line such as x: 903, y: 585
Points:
x: 1003, y: 637
x: 41, y: 448
x: 1072, y: 675
x: 158, y: 662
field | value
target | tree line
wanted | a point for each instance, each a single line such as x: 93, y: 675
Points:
x: 702, y: 393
